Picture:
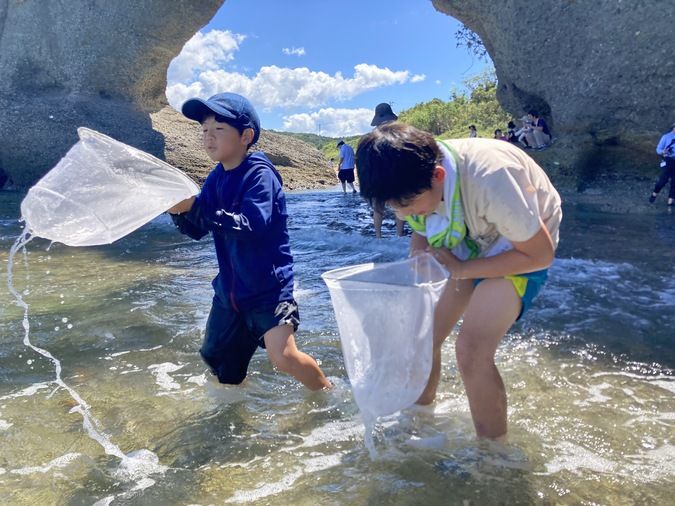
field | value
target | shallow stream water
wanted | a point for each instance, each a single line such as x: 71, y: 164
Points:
x: 589, y: 376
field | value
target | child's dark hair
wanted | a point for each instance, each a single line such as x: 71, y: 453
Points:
x: 395, y: 162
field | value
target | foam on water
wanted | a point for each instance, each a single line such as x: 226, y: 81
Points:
x: 135, y: 466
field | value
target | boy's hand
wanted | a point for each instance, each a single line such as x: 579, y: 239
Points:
x: 182, y: 207
x: 448, y: 260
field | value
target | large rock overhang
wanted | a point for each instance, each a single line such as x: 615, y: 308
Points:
x: 600, y: 72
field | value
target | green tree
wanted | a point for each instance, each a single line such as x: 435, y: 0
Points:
x: 477, y: 105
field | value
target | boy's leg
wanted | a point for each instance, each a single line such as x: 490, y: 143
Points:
x: 377, y: 223
x: 449, y: 309
x: 493, y: 308
x: 227, y: 348
x: 285, y: 356
x: 399, y: 227
x: 662, y: 181
x: 670, y: 167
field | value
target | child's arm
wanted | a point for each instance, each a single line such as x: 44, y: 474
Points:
x: 418, y: 244
x: 531, y: 255
x: 184, y: 219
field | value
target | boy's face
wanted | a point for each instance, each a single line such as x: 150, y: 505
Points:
x: 223, y: 143
x: 423, y: 203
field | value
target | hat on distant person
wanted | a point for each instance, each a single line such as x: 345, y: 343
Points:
x: 235, y: 109
x: 383, y: 113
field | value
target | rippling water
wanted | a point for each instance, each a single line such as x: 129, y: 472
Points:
x: 589, y: 376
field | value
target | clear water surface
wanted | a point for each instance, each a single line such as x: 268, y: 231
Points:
x: 589, y: 376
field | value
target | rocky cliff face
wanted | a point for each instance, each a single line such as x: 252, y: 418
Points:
x: 600, y: 72
x: 85, y: 63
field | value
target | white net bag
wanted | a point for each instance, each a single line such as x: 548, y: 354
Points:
x: 100, y: 191
x: 385, y: 314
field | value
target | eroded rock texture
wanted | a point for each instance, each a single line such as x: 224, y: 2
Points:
x: 602, y: 72
x: 94, y: 63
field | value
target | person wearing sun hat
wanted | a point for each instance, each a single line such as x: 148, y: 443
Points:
x: 383, y: 113
x: 243, y: 206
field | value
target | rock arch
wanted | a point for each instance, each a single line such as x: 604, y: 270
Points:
x: 602, y: 72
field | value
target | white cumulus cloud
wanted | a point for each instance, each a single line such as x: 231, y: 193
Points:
x: 297, y: 51
x: 204, y: 51
x: 418, y: 78
x: 284, y: 87
x: 331, y: 122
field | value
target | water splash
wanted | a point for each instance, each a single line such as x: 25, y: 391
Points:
x: 135, y: 466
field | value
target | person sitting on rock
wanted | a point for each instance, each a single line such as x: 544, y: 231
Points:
x: 666, y: 149
x: 511, y: 132
x: 499, y: 135
x: 540, y: 136
x: 522, y: 133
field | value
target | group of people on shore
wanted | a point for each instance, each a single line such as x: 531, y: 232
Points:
x: 496, y: 237
x: 533, y: 133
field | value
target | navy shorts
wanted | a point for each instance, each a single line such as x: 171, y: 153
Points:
x: 232, y: 337
x: 346, y: 175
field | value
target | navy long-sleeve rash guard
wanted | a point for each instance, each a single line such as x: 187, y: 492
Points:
x: 244, y: 209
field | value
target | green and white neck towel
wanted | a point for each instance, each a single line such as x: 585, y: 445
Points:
x: 445, y: 227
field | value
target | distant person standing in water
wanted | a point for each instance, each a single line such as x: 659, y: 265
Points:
x: 666, y: 149
x: 346, y: 166
x: 383, y: 115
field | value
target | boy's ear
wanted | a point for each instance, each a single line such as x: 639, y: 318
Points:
x: 439, y: 174
x: 247, y: 135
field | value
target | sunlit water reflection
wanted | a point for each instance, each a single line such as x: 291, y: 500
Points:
x: 588, y: 374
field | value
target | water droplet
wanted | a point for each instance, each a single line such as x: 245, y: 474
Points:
x: 57, y: 328
x: 70, y: 325
x: 64, y: 319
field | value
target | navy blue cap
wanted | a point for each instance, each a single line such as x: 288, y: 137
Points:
x: 237, y: 110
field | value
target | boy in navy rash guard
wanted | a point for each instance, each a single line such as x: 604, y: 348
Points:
x: 243, y: 206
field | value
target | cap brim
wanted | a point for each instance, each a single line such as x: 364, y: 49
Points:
x: 196, y: 109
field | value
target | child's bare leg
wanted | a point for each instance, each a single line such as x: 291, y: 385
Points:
x: 399, y: 227
x: 377, y: 224
x: 449, y: 310
x: 493, y: 308
x: 285, y: 356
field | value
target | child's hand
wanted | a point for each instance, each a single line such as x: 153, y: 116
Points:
x: 448, y: 260
x: 182, y: 207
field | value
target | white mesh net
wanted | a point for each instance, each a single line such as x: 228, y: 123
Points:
x: 385, y: 318
x: 100, y: 191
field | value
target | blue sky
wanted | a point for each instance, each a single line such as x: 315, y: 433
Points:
x: 322, y: 67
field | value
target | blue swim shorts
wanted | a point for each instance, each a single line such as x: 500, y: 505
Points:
x: 527, y: 287
x: 232, y: 337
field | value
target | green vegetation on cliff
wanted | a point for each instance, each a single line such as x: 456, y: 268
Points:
x: 476, y: 106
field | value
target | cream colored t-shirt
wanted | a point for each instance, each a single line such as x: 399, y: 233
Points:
x: 504, y: 192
